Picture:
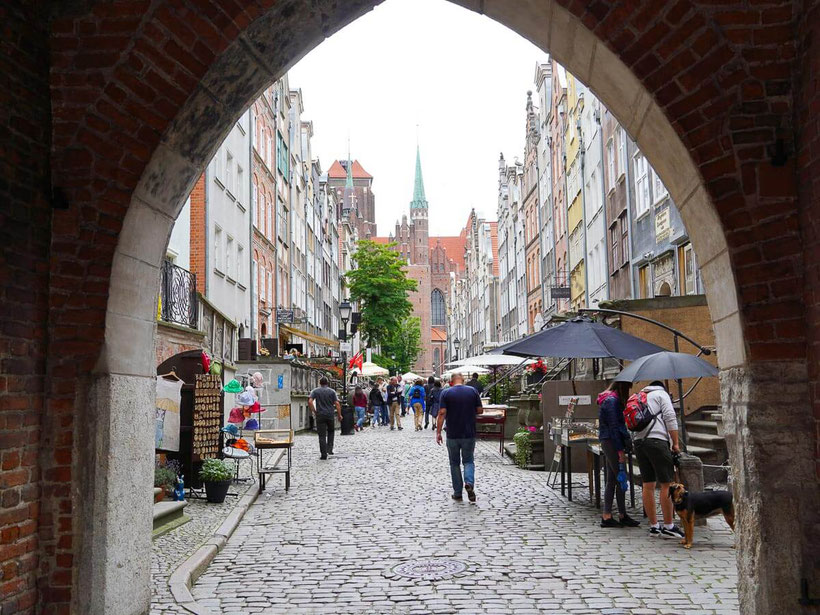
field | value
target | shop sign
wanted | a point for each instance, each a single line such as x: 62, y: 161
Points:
x: 580, y: 400
x: 560, y: 292
x: 346, y: 346
x: 284, y: 316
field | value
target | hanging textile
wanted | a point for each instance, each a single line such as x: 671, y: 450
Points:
x: 167, y: 414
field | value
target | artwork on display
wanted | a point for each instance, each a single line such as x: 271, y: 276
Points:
x: 169, y: 394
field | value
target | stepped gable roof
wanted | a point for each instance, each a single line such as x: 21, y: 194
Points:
x: 454, y: 246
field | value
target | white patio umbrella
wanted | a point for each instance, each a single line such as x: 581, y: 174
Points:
x: 371, y: 369
x: 492, y: 360
x: 410, y: 377
x: 466, y: 370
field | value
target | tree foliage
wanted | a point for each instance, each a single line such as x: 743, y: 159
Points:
x: 403, y: 343
x: 380, y: 285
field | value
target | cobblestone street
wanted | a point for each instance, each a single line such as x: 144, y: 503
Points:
x: 328, y: 546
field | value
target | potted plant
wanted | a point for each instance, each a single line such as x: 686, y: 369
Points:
x: 536, y: 371
x: 165, y: 478
x: 216, y: 475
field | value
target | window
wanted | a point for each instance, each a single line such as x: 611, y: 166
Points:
x: 689, y: 270
x: 268, y: 149
x: 624, y: 238
x: 436, y: 359
x: 620, y: 135
x: 610, y: 167
x: 255, y: 201
x: 641, y: 185
x: 269, y: 287
x: 218, y: 172
x: 240, y: 184
x: 439, y: 311
x: 659, y: 191
x: 614, y: 240
x: 282, y: 157
x: 218, y: 248
x: 229, y: 258
x: 229, y: 174
x: 240, y: 264
x: 255, y: 281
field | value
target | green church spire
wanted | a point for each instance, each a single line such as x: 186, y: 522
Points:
x: 349, y: 181
x: 419, y: 200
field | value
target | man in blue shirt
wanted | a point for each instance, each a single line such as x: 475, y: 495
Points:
x: 459, y: 406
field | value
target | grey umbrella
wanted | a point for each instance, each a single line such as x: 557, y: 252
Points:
x: 581, y: 338
x: 666, y: 366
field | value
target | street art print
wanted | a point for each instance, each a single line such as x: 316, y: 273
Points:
x: 169, y: 394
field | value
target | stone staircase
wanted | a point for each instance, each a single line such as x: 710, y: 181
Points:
x: 168, y: 515
x: 705, y: 435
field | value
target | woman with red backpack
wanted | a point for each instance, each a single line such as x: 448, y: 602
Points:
x: 615, y: 440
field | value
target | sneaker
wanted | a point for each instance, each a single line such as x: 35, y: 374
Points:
x: 654, y: 532
x: 392, y: 428
x: 330, y: 452
x: 628, y: 521
x: 675, y: 532
x: 470, y: 492
x: 400, y: 428
x: 610, y: 523
x: 457, y: 498
x: 323, y: 458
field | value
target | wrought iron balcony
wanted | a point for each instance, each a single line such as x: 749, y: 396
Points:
x: 178, y: 296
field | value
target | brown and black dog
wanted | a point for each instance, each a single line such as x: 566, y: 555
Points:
x: 704, y: 504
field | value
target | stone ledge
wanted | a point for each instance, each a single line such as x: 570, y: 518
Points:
x: 186, y: 574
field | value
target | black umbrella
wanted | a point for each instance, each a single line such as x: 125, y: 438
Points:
x: 581, y: 338
x: 666, y: 366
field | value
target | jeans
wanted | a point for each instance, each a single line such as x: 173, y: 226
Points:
x: 461, y: 451
x: 380, y: 414
x: 326, y: 428
x: 395, y: 414
x: 360, y: 410
x: 612, y: 486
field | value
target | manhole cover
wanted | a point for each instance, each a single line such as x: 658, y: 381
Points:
x: 430, y: 569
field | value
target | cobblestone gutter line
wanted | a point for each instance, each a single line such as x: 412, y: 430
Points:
x: 183, y: 578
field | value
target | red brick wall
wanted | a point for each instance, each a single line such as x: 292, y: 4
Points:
x: 199, y: 234
x: 25, y: 228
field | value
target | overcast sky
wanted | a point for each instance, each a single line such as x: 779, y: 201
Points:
x: 461, y: 77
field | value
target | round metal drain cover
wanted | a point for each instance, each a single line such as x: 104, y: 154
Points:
x: 430, y: 569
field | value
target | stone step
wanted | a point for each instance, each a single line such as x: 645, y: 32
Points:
x: 167, y: 516
x: 713, y: 416
x: 702, y: 427
x: 710, y: 440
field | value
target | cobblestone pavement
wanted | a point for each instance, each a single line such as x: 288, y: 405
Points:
x: 328, y: 545
x: 171, y: 549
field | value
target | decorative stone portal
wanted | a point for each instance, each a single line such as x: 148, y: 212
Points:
x: 432, y: 569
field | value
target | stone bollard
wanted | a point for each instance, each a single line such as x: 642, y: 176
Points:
x: 690, y: 473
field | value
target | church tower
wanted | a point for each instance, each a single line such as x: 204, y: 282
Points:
x: 418, y: 216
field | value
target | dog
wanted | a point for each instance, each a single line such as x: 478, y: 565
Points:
x: 704, y: 504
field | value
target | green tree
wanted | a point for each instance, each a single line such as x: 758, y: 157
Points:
x: 380, y: 285
x: 403, y: 343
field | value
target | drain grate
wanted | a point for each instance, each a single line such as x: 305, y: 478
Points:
x: 433, y: 569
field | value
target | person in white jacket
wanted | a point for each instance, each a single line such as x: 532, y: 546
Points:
x: 654, y: 447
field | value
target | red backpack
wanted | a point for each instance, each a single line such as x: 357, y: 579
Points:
x: 637, y: 414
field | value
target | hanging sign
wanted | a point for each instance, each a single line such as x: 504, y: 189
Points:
x: 166, y: 425
x: 284, y: 316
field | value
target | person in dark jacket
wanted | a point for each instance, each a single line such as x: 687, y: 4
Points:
x: 377, y: 404
x: 476, y: 384
x: 615, y: 440
x: 433, y: 403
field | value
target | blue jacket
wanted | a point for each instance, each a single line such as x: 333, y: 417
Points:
x: 611, y: 424
x: 416, y: 395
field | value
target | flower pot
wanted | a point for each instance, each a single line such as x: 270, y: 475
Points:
x: 159, y: 496
x: 215, y: 491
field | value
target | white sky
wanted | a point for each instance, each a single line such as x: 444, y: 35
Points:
x: 463, y: 78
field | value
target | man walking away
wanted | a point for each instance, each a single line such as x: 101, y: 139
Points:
x: 652, y: 449
x: 417, y: 401
x: 375, y: 400
x: 434, y: 404
x: 393, y: 401
x: 476, y: 384
x: 322, y: 402
x: 405, y: 390
x: 459, y: 406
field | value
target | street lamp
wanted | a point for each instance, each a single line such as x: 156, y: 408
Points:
x: 345, y: 311
x: 393, y: 361
x: 456, y: 344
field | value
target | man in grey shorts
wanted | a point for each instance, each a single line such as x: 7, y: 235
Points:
x: 652, y: 450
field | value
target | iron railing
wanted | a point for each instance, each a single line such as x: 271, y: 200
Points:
x: 178, y: 295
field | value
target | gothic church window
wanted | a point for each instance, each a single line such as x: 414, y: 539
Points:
x: 438, y: 311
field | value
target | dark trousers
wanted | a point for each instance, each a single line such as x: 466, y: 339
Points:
x: 326, y: 428
x: 612, y: 486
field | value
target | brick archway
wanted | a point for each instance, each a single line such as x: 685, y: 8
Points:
x: 141, y: 94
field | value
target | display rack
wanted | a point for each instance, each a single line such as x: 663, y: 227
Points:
x: 207, y: 415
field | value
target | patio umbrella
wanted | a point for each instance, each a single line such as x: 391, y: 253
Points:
x: 371, y: 369
x: 466, y: 370
x: 666, y: 366
x: 492, y: 360
x: 410, y: 377
x: 581, y: 338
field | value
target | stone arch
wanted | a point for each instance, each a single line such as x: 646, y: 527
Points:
x: 126, y: 158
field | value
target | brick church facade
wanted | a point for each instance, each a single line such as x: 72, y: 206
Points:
x: 435, y: 263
